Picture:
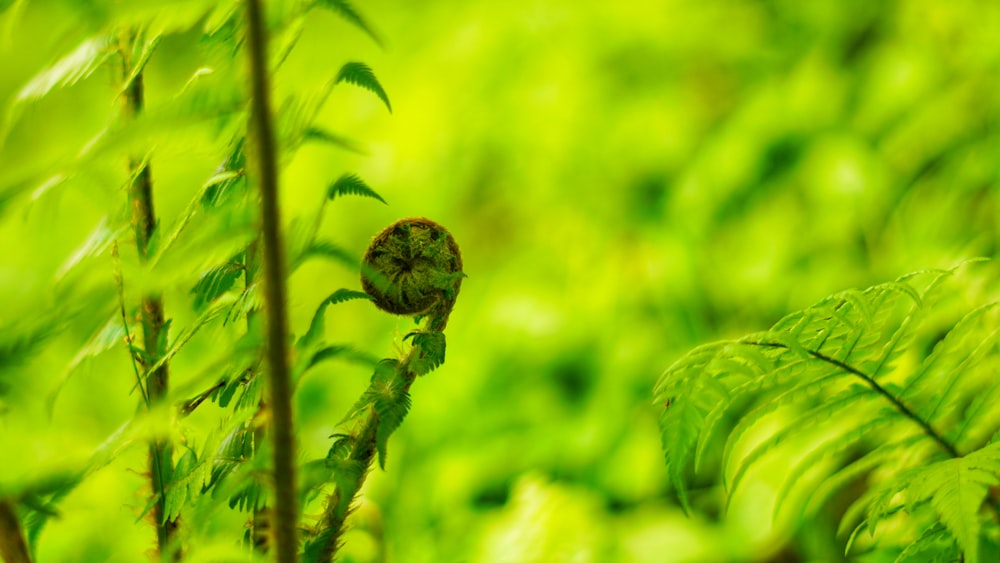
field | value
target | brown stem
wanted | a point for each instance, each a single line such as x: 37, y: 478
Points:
x: 259, y: 524
x: 280, y: 400
x: 13, y: 548
x: 140, y: 196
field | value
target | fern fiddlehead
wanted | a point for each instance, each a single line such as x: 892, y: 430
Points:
x: 412, y: 267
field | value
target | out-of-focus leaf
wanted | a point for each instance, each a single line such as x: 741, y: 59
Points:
x: 321, y: 135
x: 317, y: 326
x: 67, y: 71
x: 361, y: 75
x: 214, y: 283
x: 146, y: 49
x: 345, y: 10
x: 98, y: 242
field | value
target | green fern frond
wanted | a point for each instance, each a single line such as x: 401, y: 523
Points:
x: 352, y: 184
x: 391, y: 401
x: 957, y: 489
x: 187, y: 333
x: 432, y: 348
x: 327, y: 249
x: 361, y: 75
x: 317, y: 327
x: 933, y: 546
x: 19, y: 343
x: 854, y: 469
x: 342, y: 351
x: 40, y: 502
x: 945, y: 371
x: 146, y: 47
x: 214, y: 283
x: 252, y: 393
x: 847, y: 403
x: 75, y: 67
x: 840, y: 377
x: 345, y: 10
x: 321, y: 135
x: 383, y: 374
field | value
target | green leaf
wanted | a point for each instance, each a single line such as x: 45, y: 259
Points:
x: 347, y: 473
x: 318, y: 324
x: 933, y: 545
x: 67, y: 71
x: 188, y: 332
x: 220, y: 186
x: 346, y: 11
x: 178, y: 492
x: 41, y: 500
x: 253, y: 391
x: 361, y: 75
x: 214, y: 283
x: 19, y: 343
x: 344, y: 351
x: 855, y: 469
x: 431, y: 355
x: 327, y: 249
x: 106, y: 337
x: 382, y: 376
x: 322, y: 135
x: 97, y: 243
x: 139, y: 64
x: 838, y: 407
x: 310, y: 477
x: 391, y: 402
x: 351, y: 184
x: 957, y: 489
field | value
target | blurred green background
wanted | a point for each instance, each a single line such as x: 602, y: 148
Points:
x: 626, y: 180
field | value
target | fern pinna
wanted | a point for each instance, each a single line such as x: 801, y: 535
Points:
x: 894, y: 387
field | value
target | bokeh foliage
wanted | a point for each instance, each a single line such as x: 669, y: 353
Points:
x: 626, y: 180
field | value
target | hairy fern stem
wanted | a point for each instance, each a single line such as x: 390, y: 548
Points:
x: 899, y: 405
x: 331, y: 527
x: 283, y: 438
x: 259, y: 524
x: 140, y: 196
x: 13, y: 548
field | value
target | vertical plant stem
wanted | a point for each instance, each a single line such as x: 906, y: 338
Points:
x: 140, y: 196
x: 283, y: 451
x: 13, y: 548
x: 259, y: 521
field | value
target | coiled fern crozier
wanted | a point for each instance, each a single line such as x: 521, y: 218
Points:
x: 413, y: 267
x: 895, y: 387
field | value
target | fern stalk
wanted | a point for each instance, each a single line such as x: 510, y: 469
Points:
x: 285, y: 514
x: 363, y: 451
x: 140, y: 196
x: 259, y: 520
x: 13, y: 548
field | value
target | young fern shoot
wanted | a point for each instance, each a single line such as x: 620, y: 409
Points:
x: 413, y: 267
